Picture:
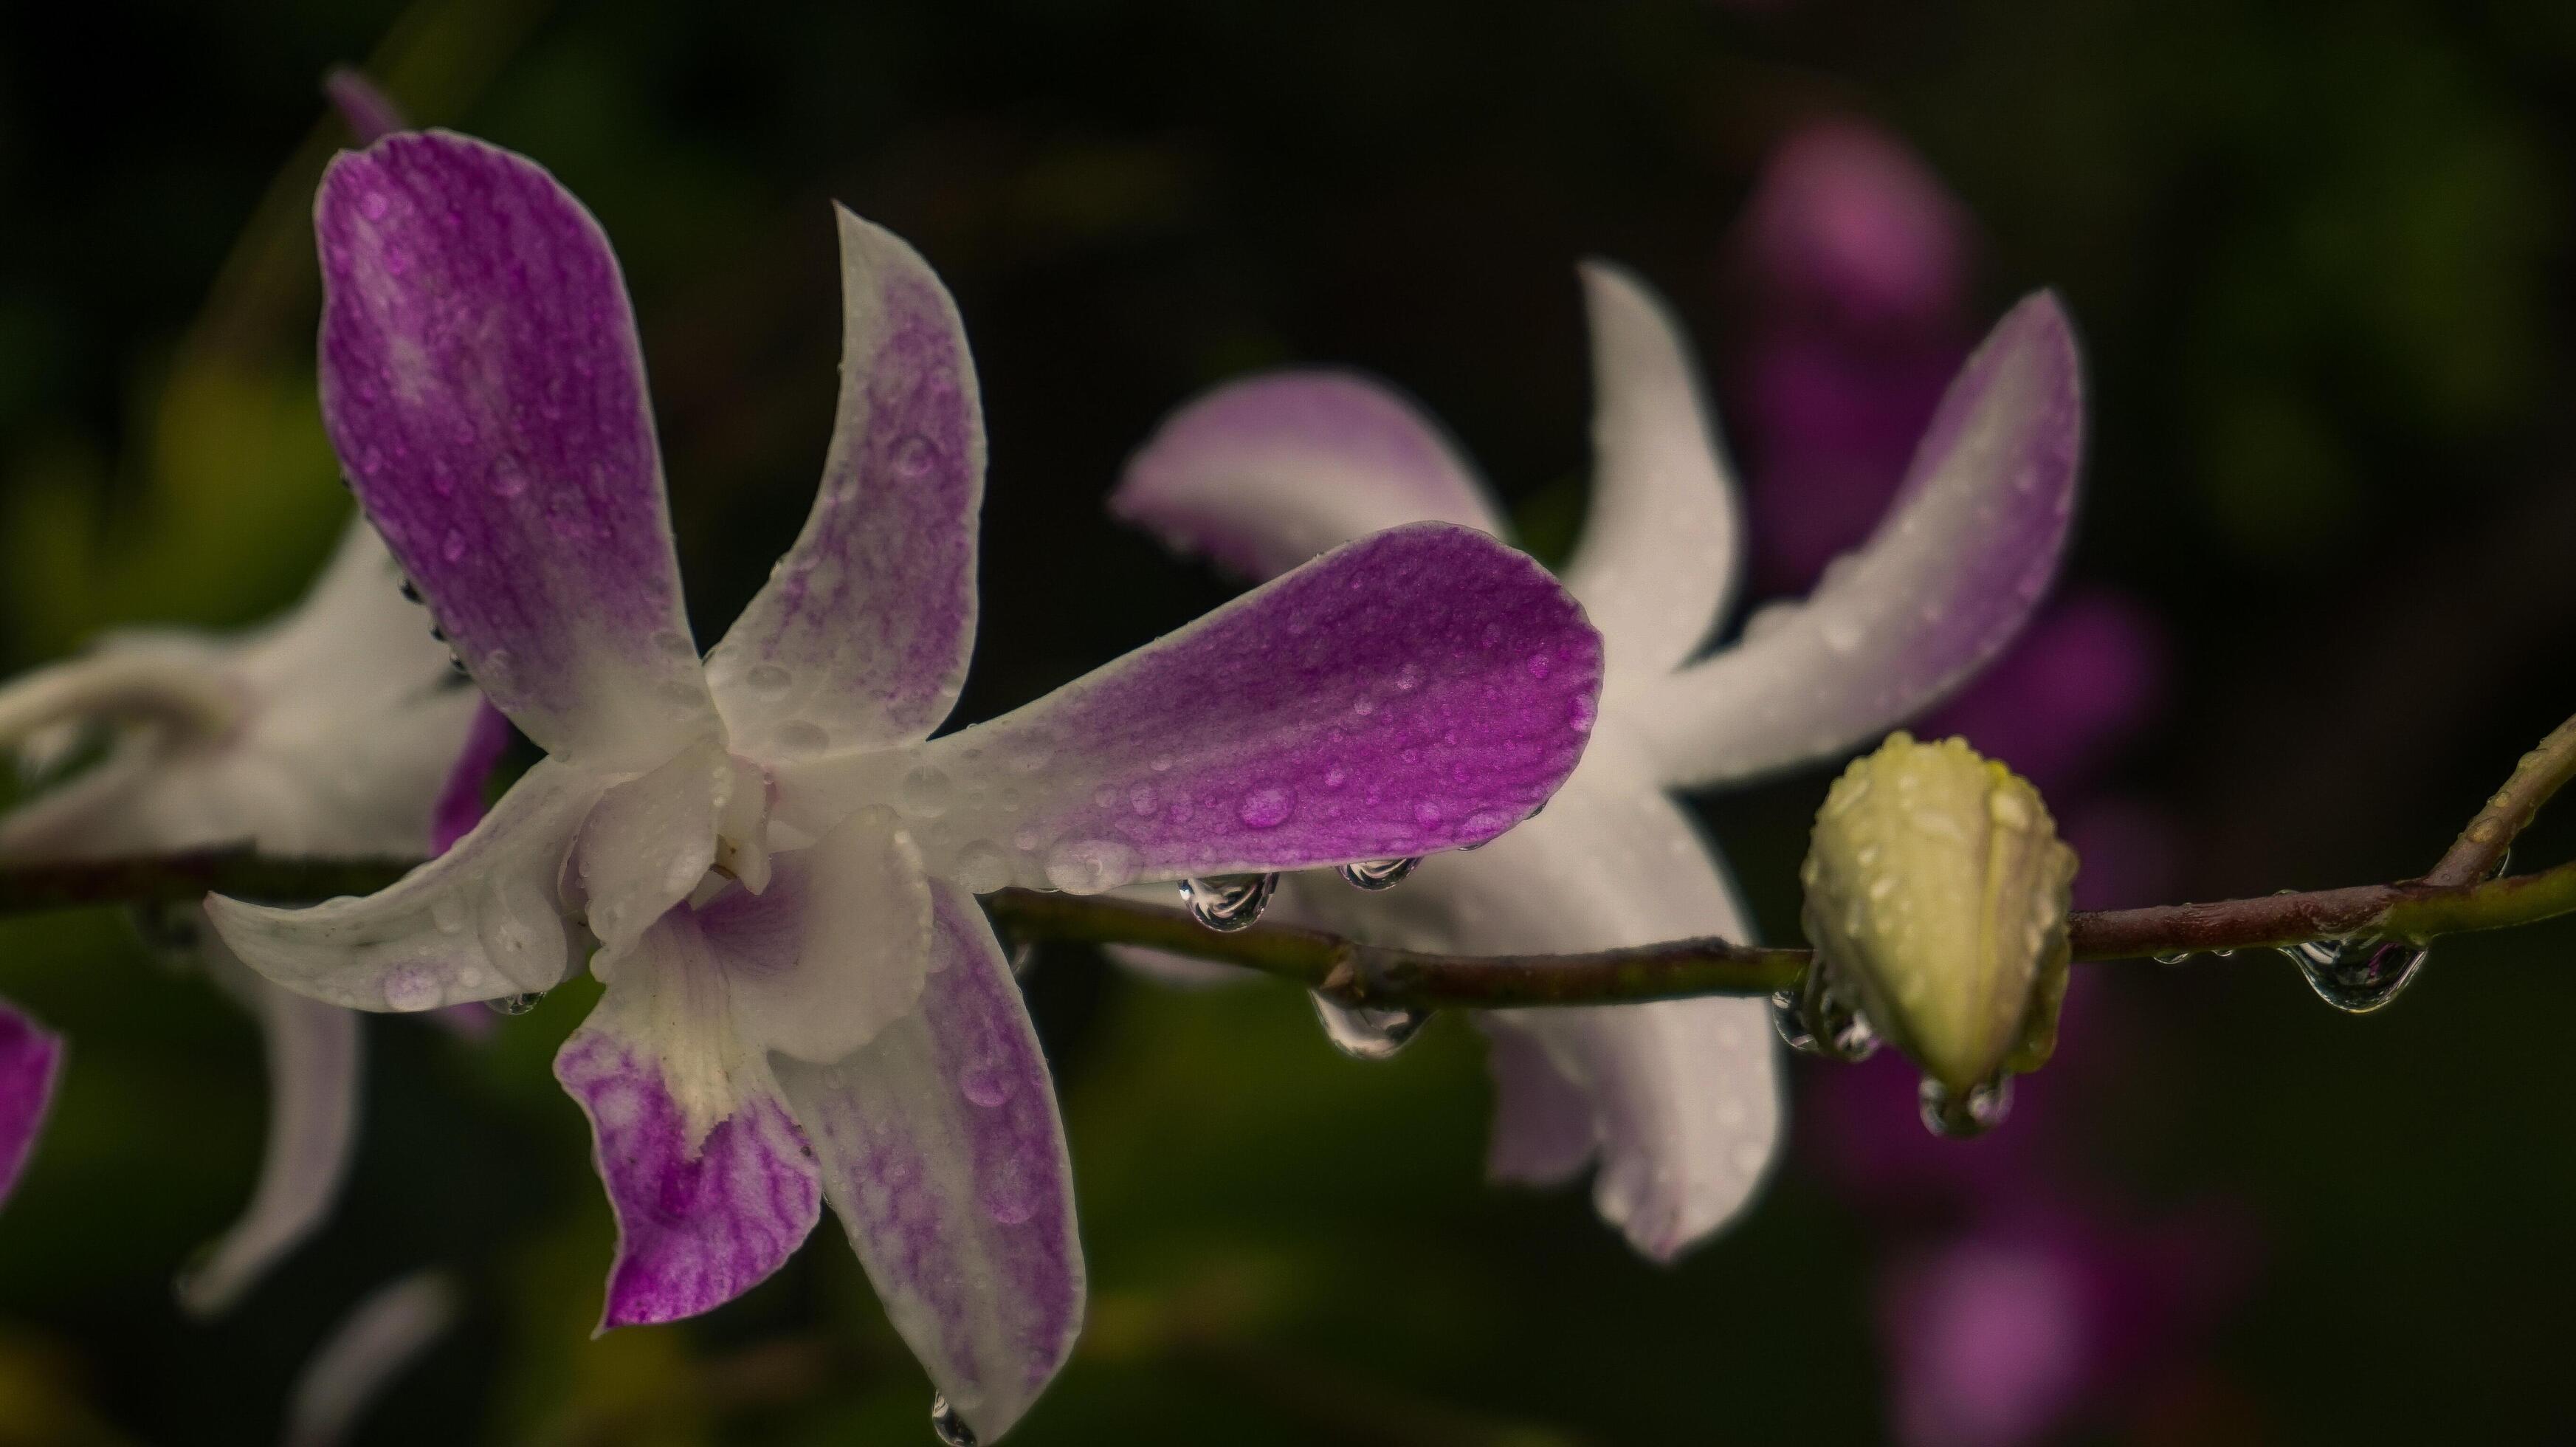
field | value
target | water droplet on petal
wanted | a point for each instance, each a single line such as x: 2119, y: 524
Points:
x: 1090, y: 866
x: 1368, y: 1034
x: 515, y: 1004
x: 1229, y: 902
x: 1966, y: 1116
x: 802, y: 739
x: 952, y: 1429
x: 508, y: 481
x: 1376, y: 874
x: 982, y: 868
x: 768, y: 679
x: 985, y: 1086
x: 453, y: 548
x: 2360, y: 975
x: 1266, y: 808
x: 411, y: 987
x: 926, y: 792
x: 914, y: 456
x: 447, y: 912
x: 374, y: 205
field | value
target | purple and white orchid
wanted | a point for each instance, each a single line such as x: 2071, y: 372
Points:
x: 335, y: 731
x: 1679, y: 1100
x: 803, y: 1001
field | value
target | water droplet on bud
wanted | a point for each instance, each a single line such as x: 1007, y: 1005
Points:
x: 1229, y: 902
x: 1376, y: 874
x: 515, y: 1004
x: 1963, y: 1117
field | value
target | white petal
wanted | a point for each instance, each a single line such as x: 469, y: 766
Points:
x: 862, y: 634
x: 944, y: 1156
x: 862, y: 919
x: 1683, y: 1094
x: 329, y: 732
x: 480, y: 921
x: 1944, y: 584
x: 1659, y: 553
x: 370, y: 1347
x: 1264, y: 473
x: 647, y: 844
x: 315, y: 1055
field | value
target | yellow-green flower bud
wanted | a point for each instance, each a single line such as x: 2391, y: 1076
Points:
x: 1937, y: 894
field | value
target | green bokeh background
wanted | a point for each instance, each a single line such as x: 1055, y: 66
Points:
x: 2321, y: 256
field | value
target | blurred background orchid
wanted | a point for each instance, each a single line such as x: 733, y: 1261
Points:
x: 2319, y: 262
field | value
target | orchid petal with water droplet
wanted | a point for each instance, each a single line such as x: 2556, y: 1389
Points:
x: 1678, y: 1099
x: 752, y: 839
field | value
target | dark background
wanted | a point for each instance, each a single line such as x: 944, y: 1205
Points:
x: 2320, y: 255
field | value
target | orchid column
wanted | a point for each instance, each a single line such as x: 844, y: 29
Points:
x: 775, y: 863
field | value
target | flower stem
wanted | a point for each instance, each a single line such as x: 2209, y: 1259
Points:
x: 2454, y: 898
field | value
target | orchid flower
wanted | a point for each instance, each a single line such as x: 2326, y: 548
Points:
x: 334, y: 731
x: 31, y: 1062
x: 777, y: 863
x: 1678, y: 1100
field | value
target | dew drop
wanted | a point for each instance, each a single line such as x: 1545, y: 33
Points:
x: 508, y: 481
x: 1840, y: 634
x: 1229, y: 902
x: 801, y: 738
x: 982, y: 868
x: 914, y: 456
x: 374, y: 205
x: 1967, y: 1116
x: 1815, y: 1017
x: 1768, y: 619
x: 2173, y: 957
x: 952, y: 1429
x: 2361, y: 975
x: 1266, y: 808
x: 1090, y: 866
x: 1426, y: 814
x: 411, y: 987
x: 768, y: 679
x: 447, y: 912
x: 1364, y: 1034
x: 985, y: 1086
x: 515, y: 1004
x: 453, y: 549
x: 1377, y: 874
x: 1540, y: 665
x: 926, y: 792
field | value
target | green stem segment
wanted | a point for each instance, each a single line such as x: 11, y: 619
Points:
x: 1359, y: 974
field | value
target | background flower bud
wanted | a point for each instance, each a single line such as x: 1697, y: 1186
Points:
x: 1937, y: 892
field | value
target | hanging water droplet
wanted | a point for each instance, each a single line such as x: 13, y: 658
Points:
x: 2173, y: 957
x: 515, y: 1004
x: 410, y: 591
x: 1229, y: 902
x: 1376, y: 874
x: 952, y: 1429
x: 1816, y: 1018
x: 2504, y: 862
x: 2358, y: 976
x: 1962, y: 1117
x: 1368, y: 1034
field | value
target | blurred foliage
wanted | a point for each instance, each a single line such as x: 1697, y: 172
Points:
x: 2320, y: 253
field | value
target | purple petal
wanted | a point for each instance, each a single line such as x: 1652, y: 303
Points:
x: 1660, y: 548
x: 315, y: 1055
x: 31, y: 1061
x: 482, y: 385
x: 1421, y: 689
x: 944, y: 1156
x: 1950, y: 576
x: 862, y: 635
x: 699, y: 1222
x: 460, y: 800
x: 1262, y: 474
x: 1847, y: 219
x: 481, y: 921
